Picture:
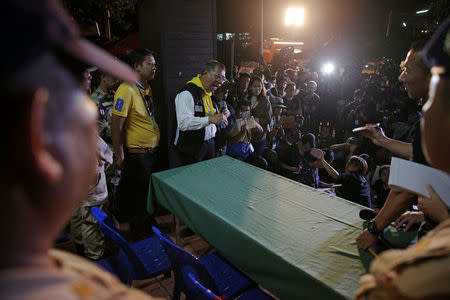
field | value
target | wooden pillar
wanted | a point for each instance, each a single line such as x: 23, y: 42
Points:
x: 183, y: 35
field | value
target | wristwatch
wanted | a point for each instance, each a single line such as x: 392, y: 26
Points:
x: 372, y: 228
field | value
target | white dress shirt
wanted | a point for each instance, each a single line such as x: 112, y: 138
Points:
x: 184, y: 107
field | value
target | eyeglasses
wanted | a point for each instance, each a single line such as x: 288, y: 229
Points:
x: 218, y: 76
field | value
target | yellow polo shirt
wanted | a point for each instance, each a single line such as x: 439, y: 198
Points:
x: 139, y: 132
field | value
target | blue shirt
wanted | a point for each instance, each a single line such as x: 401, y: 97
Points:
x: 354, y: 188
x: 309, y: 176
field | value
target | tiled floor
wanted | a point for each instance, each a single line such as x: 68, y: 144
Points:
x: 160, y: 287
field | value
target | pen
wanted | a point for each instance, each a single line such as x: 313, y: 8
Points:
x: 372, y: 252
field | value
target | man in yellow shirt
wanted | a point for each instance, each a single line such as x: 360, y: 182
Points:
x: 135, y: 136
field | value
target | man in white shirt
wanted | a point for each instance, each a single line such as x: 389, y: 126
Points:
x: 197, y: 117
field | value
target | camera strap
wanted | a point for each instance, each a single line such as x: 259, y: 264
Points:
x: 148, y: 103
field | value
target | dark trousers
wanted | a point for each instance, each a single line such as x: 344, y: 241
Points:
x: 131, y: 203
x: 257, y: 161
x: 191, y: 155
x: 259, y: 147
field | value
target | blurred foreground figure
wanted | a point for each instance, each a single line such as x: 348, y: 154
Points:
x: 49, y: 150
x: 423, y: 270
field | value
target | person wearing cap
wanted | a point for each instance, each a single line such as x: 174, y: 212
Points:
x: 49, y: 149
x: 422, y: 271
x: 197, y: 117
x: 135, y: 136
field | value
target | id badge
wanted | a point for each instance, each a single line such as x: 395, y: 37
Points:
x: 356, y: 122
x: 198, y: 108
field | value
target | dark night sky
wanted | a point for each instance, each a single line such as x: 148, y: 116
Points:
x: 321, y: 15
x: 357, y: 22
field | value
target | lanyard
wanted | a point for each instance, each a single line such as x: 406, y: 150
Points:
x: 148, y: 98
x: 148, y: 102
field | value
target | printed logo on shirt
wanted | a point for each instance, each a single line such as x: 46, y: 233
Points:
x: 119, y: 104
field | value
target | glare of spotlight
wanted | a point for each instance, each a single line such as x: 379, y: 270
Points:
x: 404, y: 24
x: 328, y: 68
x: 295, y: 16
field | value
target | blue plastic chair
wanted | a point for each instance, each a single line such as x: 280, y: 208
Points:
x: 211, y: 270
x: 252, y: 294
x: 255, y: 294
x: 106, y: 265
x: 141, y: 260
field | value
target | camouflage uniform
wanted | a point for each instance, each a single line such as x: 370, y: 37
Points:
x: 104, y: 102
x: 84, y: 228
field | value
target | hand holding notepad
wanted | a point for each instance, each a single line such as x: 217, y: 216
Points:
x: 434, y: 207
x: 414, y: 177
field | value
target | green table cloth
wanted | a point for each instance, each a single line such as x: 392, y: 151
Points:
x: 397, y: 238
x: 297, y: 242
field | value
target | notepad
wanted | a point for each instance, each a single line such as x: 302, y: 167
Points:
x: 414, y: 177
x: 251, y: 123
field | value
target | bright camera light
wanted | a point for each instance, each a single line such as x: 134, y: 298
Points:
x: 404, y: 24
x: 295, y: 16
x: 328, y: 68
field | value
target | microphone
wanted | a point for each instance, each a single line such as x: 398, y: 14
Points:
x: 222, y: 106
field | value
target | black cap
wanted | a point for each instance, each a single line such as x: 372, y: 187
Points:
x: 30, y: 28
x: 436, y: 52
